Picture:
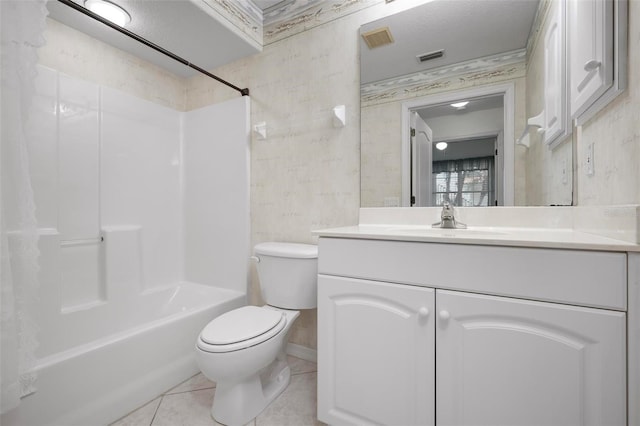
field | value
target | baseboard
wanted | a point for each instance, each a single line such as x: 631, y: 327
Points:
x: 302, y: 352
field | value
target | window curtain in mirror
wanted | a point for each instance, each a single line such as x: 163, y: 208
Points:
x: 465, y: 182
x: 22, y: 28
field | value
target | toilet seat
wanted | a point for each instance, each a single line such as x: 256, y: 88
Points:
x: 241, y: 328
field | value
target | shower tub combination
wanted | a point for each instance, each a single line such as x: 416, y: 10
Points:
x: 115, y: 356
x: 144, y: 239
x: 100, y: 381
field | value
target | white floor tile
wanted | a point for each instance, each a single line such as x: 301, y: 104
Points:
x: 299, y: 366
x: 185, y: 409
x: 142, y: 416
x: 296, y: 406
x: 197, y: 382
x: 189, y: 403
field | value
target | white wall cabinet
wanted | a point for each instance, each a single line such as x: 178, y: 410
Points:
x: 585, y: 62
x: 556, y: 118
x: 590, y: 52
x: 430, y: 354
x: 597, y: 47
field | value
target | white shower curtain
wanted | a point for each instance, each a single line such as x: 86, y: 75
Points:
x: 22, y: 25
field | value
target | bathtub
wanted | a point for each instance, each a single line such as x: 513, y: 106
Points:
x: 98, y: 382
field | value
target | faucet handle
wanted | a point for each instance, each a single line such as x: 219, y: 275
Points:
x: 447, y: 211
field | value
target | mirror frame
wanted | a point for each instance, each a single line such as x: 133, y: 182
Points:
x: 506, y: 90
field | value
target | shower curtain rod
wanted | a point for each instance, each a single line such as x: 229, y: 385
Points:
x: 81, y: 9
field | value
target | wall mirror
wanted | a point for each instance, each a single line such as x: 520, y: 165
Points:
x: 416, y: 66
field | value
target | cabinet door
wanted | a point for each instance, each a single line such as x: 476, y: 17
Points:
x: 555, y: 88
x: 513, y: 362
x: 591, y: 51
x: 375, y: 353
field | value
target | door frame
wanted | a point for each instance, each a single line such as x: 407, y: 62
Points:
x: 506, y: 90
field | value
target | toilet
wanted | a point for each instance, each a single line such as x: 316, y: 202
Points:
x: 243, y: 350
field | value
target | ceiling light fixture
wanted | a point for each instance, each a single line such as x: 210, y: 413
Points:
x: 460, y: 105
x: 441, y: 146
x: 109, y: 11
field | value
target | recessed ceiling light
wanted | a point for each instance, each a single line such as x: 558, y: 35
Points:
x: 109, y: 11
x: 441, y: 146
x: 460, y: 104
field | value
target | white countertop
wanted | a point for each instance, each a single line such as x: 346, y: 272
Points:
x: 607, y: 229
x: 495, y: 236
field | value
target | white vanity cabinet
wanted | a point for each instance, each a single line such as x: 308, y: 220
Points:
x: 378, y: 359
x: 445, y: 334
x: 503, y: 361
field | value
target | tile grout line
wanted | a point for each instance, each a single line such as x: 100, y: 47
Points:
x: 187, y: 391
x: 157, y: 408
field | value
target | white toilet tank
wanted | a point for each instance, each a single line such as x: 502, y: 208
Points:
x: 288, y: 274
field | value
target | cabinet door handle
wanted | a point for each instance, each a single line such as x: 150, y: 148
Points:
x: 592, y: 65
x: 444, y: 315
x: 423, y: 312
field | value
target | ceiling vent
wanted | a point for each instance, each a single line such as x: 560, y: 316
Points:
x: 378, y: 37
x: 431, y: 55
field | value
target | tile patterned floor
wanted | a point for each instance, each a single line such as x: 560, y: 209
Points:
x: 188, y: 404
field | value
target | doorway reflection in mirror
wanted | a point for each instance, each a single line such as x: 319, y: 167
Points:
x: 456, y: 153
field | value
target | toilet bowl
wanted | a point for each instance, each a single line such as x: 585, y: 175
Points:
x: 243, y: 350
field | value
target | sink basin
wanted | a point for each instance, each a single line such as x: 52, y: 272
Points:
x: 442, y: 232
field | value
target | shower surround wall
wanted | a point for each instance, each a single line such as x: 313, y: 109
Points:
x: 92, y: 161
x: 126, y: 191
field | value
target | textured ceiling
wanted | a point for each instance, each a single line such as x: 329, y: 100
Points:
x: 465, y: 29
x: 474, y: 105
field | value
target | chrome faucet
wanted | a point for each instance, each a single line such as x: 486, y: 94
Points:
x: 447, y: 218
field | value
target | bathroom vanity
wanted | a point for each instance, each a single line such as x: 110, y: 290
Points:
x: 490, y: 325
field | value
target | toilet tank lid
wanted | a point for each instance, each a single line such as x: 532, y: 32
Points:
x: 294, y: 250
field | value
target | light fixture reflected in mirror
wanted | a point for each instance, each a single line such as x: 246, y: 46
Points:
x: 109, y: 11
x: 460, y: 105
x: 441, y: 146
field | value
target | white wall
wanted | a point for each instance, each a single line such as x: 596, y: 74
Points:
x: 103, y: 158
x: 216, y: 194
x: 140, y: 179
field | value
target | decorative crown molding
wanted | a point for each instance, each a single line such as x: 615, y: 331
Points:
x: 295, y: 16
x: 440, y: 78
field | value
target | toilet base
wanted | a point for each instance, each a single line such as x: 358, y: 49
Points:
x: 240, y: 402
